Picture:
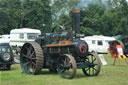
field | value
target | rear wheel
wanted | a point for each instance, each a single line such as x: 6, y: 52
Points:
x: 66, y: 66
x: 94, y: 65
x: 31, y: 58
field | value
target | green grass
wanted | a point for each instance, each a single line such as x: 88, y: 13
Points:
x: 109, y: 75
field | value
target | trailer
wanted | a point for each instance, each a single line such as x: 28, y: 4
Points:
x: 5, y: 36
x: 19, y: 36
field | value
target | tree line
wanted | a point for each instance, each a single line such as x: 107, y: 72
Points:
x: 24, y: 13
x: 109, y: 18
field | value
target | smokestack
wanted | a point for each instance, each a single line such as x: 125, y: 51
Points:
x: 76, y: 22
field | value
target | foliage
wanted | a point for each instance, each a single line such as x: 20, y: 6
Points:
x: 112, y: 20
x: 61, y: 10
x: 102, y: 18
x: 24, y: 13
x: 91, y: 20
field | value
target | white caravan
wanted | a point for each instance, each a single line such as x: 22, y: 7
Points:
x: 19, y: 36
x: 106, y: 38
x: 6, y: 36
x: 4, y: 40
x: 96, y: 44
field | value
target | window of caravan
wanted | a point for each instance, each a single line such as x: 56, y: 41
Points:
x: 21, y: 36
x: 100, y: 42
x: 93, y: 41
x: 32, y: 35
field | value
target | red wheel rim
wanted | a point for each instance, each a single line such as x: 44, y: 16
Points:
x: 112, y: 48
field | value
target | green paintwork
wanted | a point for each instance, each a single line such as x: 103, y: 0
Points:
x: 82, y: 65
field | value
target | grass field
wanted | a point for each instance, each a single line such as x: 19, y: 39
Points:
x: 109, y: 75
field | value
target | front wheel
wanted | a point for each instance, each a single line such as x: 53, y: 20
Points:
x: 94, y: 65
x: 66, y: 66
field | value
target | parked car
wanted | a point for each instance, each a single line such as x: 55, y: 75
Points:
x: 6, y: 55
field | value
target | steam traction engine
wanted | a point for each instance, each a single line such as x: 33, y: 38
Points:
x: 60, y: 52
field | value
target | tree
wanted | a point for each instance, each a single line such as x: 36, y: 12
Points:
x: 91, y: 20
x: 37, y: 14
x: 120, y: 9
x: 25, y: 13
x: 110, y: 21
x: 62, y: 9
x: 8, y: 14
x: 122, y: 12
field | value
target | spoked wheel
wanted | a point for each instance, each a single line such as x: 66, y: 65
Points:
x: 112, y: 48
x: 31, y: 58
x: 66, y: 66
x: 94, y: 65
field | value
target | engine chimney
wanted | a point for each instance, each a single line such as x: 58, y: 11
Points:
x: 76, y: 22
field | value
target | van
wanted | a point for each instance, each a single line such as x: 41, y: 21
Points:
x: 6, y: 55
x: 96, y: 44
x: 19, y: 36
